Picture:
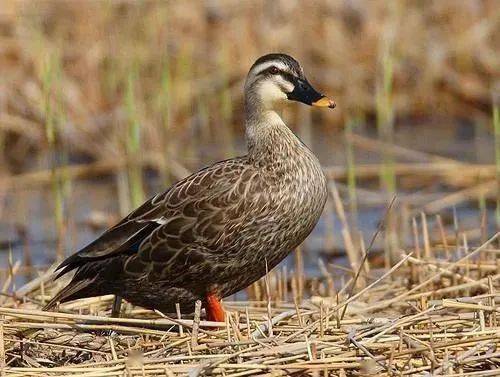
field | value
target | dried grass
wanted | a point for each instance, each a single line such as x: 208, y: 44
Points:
x: 176, y: 68
x: 444, y: 323
x: 166, y: 77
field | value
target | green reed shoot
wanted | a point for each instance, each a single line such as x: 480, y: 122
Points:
x: 496, y: 128
x: 53, y: 111
x: 183, y: 78
x: 383, y: 96
x: 184, y: 70
x: 203, y: 118
x: 64, y: 179
x: 226, y: 105
x: 385, y: 116
x: 133, y: 141
x: 351, y: 169
x: 165, y: 111
x: 2, y: 146
x: 385, y: 125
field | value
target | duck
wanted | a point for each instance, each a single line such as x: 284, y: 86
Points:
x: 222, y: 228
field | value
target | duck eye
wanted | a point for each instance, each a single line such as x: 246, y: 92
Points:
x: 274, y: 70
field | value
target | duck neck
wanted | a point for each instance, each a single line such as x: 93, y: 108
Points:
x: 268, y: 138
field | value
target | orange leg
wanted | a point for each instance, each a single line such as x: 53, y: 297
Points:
x: 215, y: 311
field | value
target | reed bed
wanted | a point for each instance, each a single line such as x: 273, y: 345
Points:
x: 434, y: 312
x: 99, y: 78
x: 131, y: 91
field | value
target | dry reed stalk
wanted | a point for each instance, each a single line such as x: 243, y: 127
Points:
x: 2, y: 349
x: 351, y: 250
x: 268, y: 298
x: 299, y: 275
x: 439, y: 274
x: 446, y: 272
x: 382, y: 223
x: 389, y: 327
x: 472, y: 171
x: 196, y: 324
x: 179, y: 317
x: 485, y: 189
x: 94, y: 169
x: 407, y: 153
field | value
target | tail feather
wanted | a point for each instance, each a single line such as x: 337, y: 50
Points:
x: 74, y: 290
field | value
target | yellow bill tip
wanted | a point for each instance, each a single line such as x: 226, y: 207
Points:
x: 324, y: 102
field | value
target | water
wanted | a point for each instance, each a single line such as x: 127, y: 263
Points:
x: 27, y: 224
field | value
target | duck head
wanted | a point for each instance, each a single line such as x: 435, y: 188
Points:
x: 275, y: 78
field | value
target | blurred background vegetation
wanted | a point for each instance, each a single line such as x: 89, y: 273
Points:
x: 103, y: 103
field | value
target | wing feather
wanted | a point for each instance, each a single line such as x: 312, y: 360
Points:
x: 179, y: 216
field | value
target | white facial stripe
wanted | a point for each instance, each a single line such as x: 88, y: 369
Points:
x: 269, y: 89
x: 285, y: 84
x: 262, y: 67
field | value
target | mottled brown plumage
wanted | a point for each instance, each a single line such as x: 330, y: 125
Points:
x: 215, y: 231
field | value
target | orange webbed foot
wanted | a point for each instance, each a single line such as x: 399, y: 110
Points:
x: 214, y: 309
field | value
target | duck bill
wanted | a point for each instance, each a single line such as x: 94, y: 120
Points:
x: 325, y: 102
x: 305, y: 93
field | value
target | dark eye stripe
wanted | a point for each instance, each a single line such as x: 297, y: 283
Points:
x: 287, y: 76
x: 268, y: 71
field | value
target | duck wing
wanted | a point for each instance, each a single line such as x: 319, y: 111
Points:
x: 122, y: 237
x: 190, y: 209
